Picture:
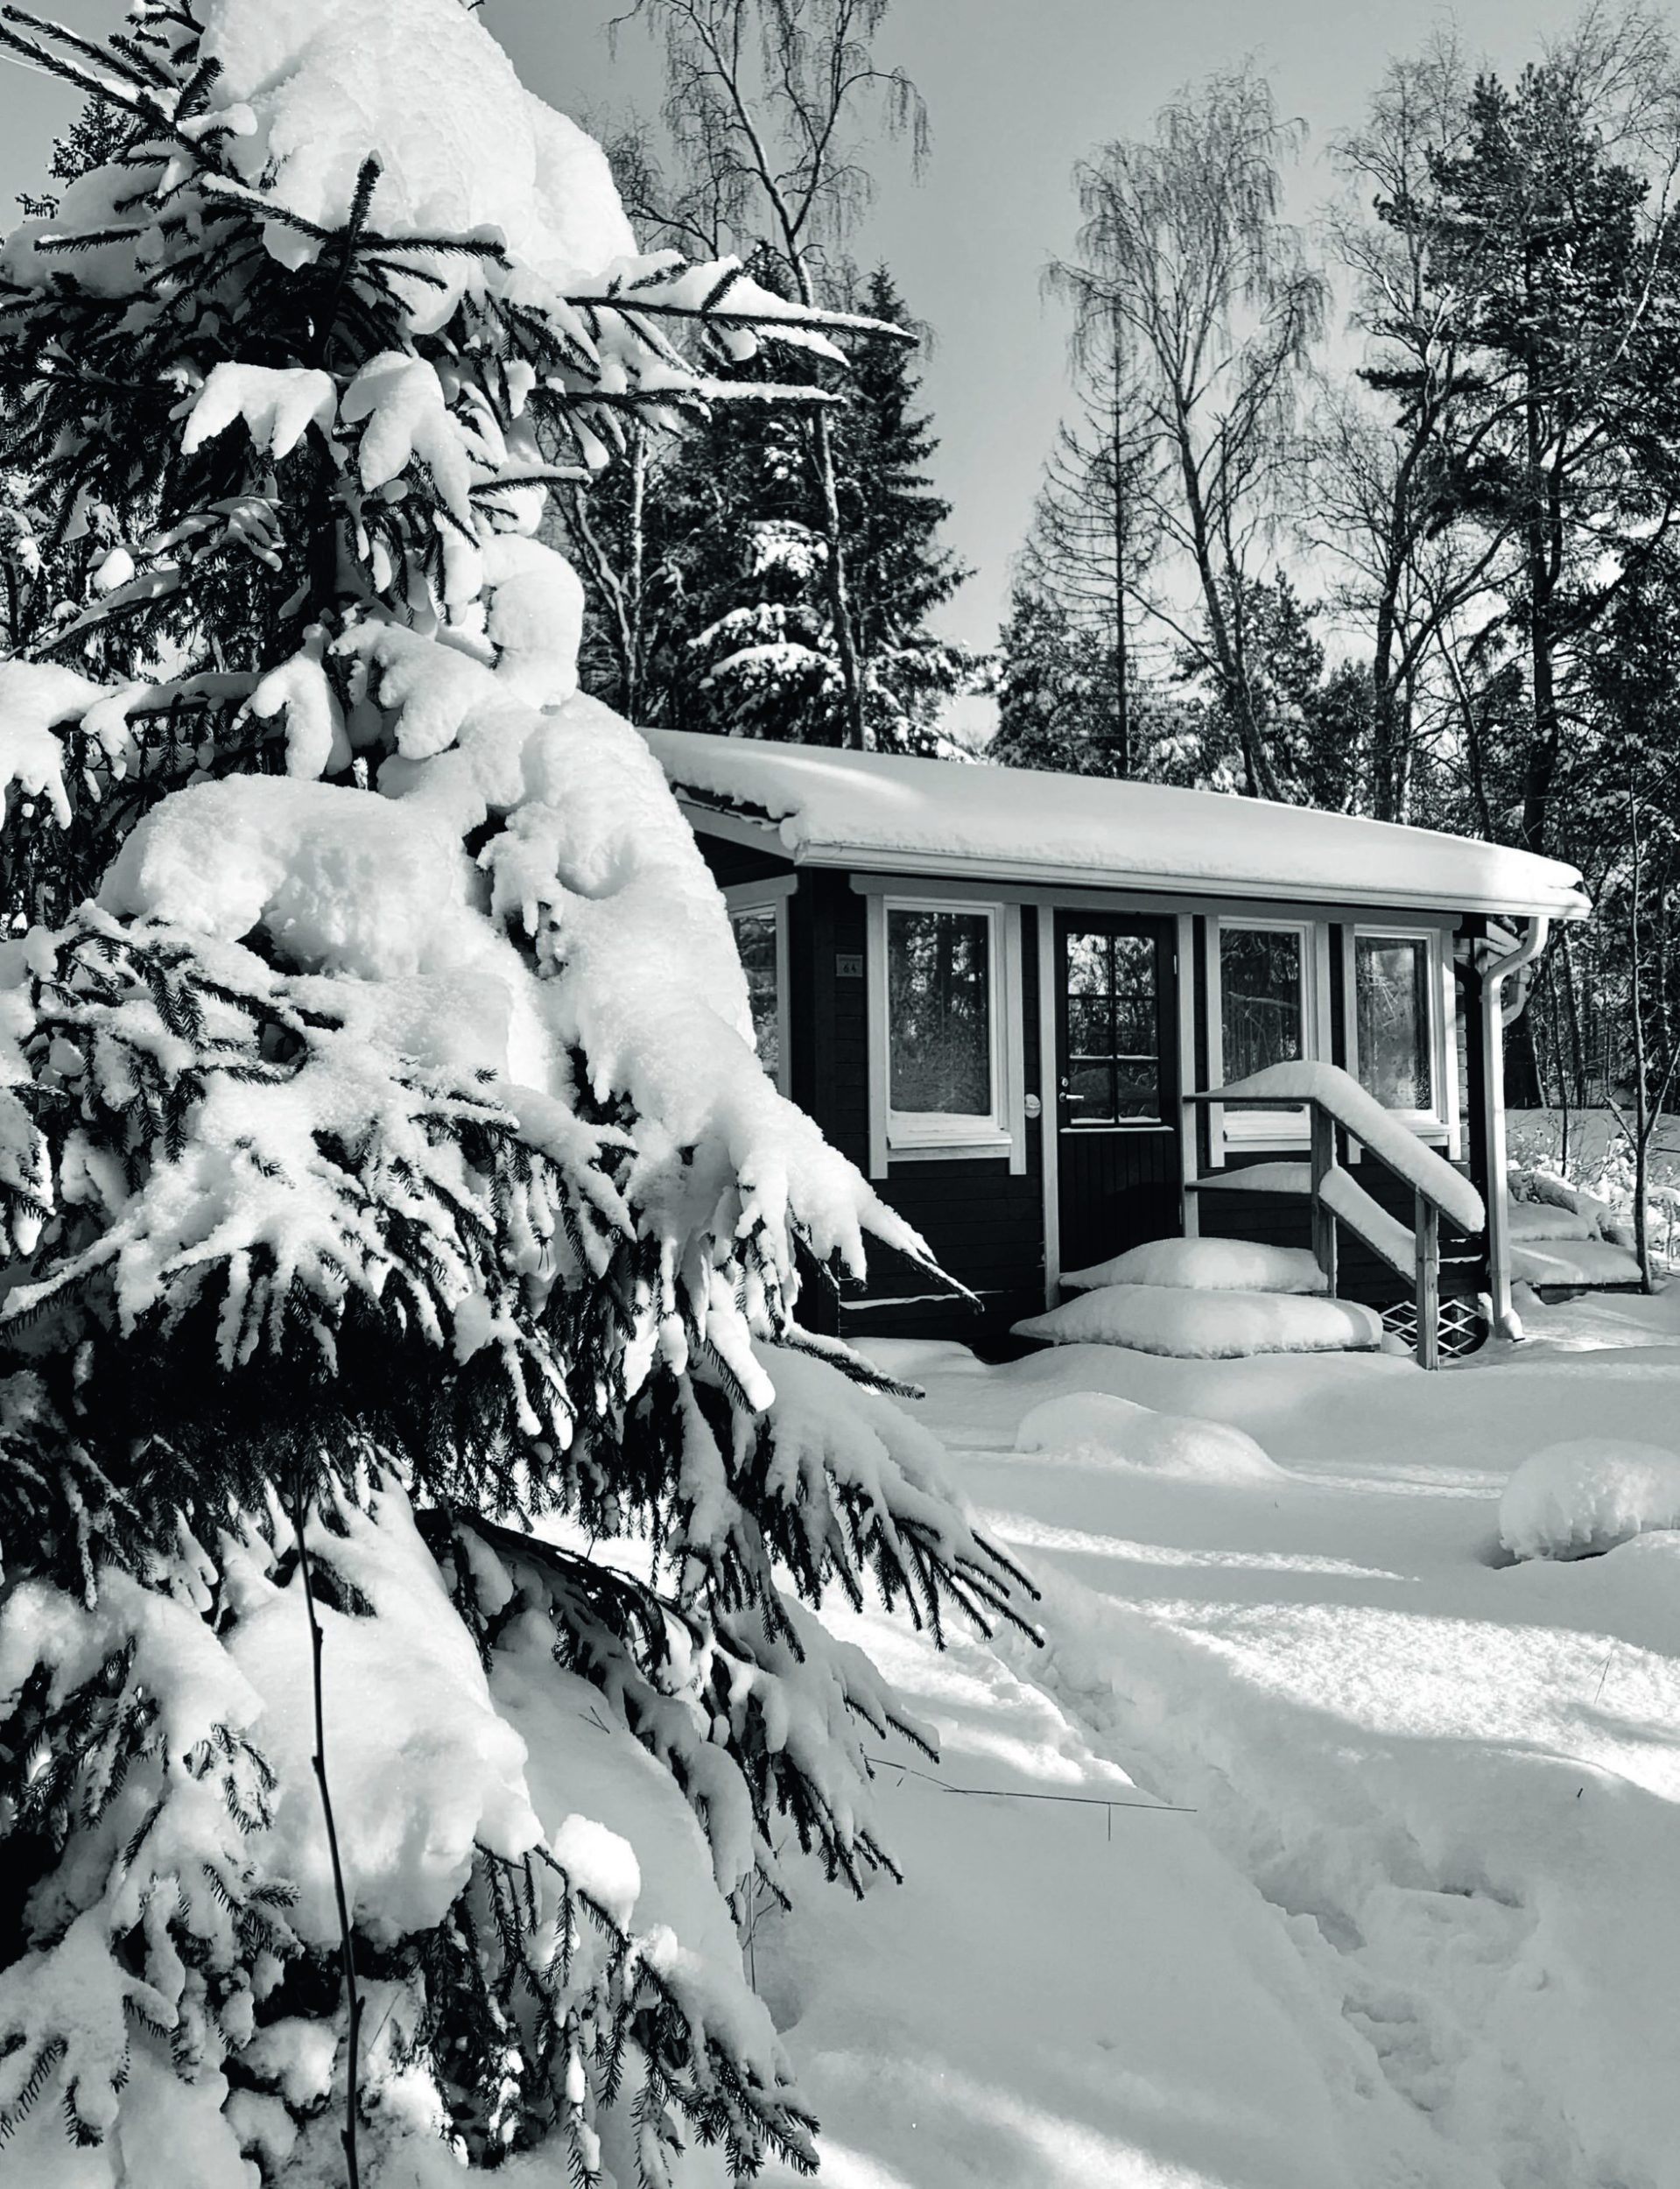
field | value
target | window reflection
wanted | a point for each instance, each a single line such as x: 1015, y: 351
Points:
x: 1391, y: 1001
x: 1260, y: 998
x: 1113, y: 1040
x: 939, y: 996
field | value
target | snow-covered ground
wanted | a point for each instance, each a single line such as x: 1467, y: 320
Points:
x: 1359, y: 1867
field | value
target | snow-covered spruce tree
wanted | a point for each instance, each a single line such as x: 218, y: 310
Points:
x: 400, y: 1233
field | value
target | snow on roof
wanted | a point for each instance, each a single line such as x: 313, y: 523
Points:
x: 906, y: 816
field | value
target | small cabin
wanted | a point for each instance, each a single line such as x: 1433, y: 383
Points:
x: 1012, y: 998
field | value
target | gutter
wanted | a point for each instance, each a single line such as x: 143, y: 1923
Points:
x: 1506, y: 1322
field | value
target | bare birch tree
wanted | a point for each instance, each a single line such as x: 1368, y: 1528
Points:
x: 1184, y: 250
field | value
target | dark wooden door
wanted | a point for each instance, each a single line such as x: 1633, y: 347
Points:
x: 1117, y: 1075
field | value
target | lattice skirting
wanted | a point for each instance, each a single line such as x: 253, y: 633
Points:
x: 1463, y: 1325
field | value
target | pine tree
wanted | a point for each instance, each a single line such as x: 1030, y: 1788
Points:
x: 386, y: 1170
x: 730, y: 597
x: 902, y: 574
x: 1550, y: 284
x: 1055, y: 684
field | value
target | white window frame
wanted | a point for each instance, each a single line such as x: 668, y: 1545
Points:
x: 1258, y: 1128
x: 772, y: 897
x: 1440, y: 1121
x: 919, y: 1136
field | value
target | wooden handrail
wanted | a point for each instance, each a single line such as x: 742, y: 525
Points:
x: 1427, y: 1210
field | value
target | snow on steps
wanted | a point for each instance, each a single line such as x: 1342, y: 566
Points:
x: 1256, y: 1177
x: 1205, y: 1265
x: 1387, y: 1238
x: 1359, y: 1112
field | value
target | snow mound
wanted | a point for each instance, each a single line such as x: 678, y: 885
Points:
x: 1096, y: 1428
x: 1575, y: 1500
x: 1205, y: 1266
x: 1208, y: 1325
x: 1571, y: 1261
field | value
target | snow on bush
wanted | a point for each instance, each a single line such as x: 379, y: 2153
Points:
x: 1207, y: 1326
x: 1576, y: 1500
x: 1240, y: 1265
x: 395, y: 1208
x: 1097, y: 1429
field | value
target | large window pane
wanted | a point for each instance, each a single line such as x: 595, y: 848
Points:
x: 939, y: 1000
x: 1391, y: 997
x: 1260, y: 998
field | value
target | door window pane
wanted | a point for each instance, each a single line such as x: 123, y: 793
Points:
x: 1260, y: 998
x: 756, y: 940
x: 1113, y: 1069
x: 939, y: 1000
x: 1391, y: 999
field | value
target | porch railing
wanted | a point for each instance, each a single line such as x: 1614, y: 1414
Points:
x: 1337, y: 1108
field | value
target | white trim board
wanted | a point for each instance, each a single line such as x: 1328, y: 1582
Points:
x: 1049, y: 1107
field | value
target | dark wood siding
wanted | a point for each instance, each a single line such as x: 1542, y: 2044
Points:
x: 734, y: 862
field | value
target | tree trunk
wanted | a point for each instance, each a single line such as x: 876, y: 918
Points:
x: 840, y: 597
x: 1123, y: 698
x: 633, y: 607
x: 1385, y: 717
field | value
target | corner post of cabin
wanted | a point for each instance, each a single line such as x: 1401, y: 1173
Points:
x: 1491, y: 1041
x: 1325, y: 1241
x: 1426, y: 1237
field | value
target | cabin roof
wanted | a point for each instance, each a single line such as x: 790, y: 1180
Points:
x: 820, y: 807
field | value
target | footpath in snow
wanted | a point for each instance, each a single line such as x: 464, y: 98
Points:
x: 1396, y: 1903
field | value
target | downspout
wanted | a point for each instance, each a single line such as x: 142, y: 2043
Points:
x: 1506, y: 1322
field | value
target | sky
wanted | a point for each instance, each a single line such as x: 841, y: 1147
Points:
x: 1017, y: 90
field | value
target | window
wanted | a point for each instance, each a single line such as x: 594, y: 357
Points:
x: 1391, y: 989
x: 755, y: 940
x: 1266, y: 1008
x: 942, y: 975
x: 1114, y: 1030
x: 940, y: 1012
x: 1398, y: 1013
x: 759, y: 924
x: 1263, y: 1015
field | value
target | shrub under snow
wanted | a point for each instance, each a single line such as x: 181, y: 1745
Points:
x: 1576, y: 1500
x: 1097, y: 1429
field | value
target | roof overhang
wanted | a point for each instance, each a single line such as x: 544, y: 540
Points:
x: 743, y: 825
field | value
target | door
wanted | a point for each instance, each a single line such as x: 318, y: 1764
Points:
x: 1117, y: 1076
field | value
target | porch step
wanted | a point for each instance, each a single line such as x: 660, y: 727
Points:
x: 1387, y: 1238
x: 1256, y: 1178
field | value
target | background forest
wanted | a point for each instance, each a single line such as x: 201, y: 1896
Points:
x: 1375, y: 513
